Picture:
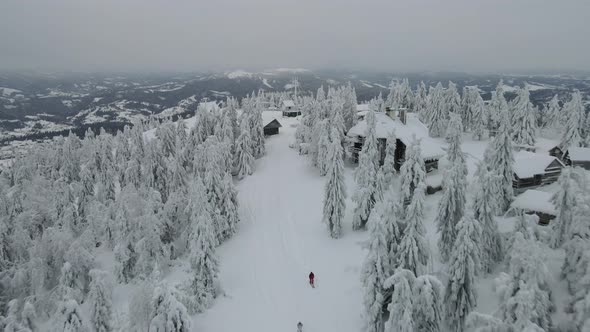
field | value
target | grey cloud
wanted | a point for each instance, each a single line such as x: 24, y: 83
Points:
x: 469, y: 35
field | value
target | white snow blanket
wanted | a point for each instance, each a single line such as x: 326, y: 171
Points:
x: 528, y: 164
x: 535, y: 200
x: 579, y: 154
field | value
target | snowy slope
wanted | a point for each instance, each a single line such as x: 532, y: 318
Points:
x: 264, y: 268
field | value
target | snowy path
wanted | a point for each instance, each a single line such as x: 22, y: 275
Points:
x: 264, y: 267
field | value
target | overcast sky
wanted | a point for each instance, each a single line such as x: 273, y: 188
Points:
x: 399, y: 35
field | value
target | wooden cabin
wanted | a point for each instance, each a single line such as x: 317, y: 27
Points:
x: 579, y: 157
x: 407, y: 127
x: 532, y: 170
x: 556, y: 152
x: 289, y: 109
x: 535, y: 202
x: 272, y: 128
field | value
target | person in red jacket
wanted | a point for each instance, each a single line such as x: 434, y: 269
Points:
x: 311, y: 277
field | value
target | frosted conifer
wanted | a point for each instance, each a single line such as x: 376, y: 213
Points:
x: 365, y: 175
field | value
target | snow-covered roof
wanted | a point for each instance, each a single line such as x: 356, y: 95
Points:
x: 413, y: 129
x: 268, y: 117
x: 579, y: 154
x: 362, y: 107
x: 288, y: 103
x: 528, y: 164
x: 534, y: 200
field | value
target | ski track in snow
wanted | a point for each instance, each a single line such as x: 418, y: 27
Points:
x: 264, y: 268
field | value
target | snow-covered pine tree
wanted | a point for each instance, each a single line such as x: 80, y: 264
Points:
x: 421, y: 102
x: 498, y: 105
x: 244, y: 158
x: 168, y: 314
x: 101, y: 302
x: 335, y: 190
x: 412, y: 172
x: 428, y: 305
x: 526, y: 265
x: 574, y: 112
x: 375, y: 270
x: 524, y: 127
x: 202, y: 242
x: 438, y: 111
x: 501, y: 159
x: 229, y: 207
x: 257, y: 129
x: 451, y: 207
x: 69, y: 317
x: 349, y: 107
x: 365, y: 175
x: 479, y: 117
x: 453, y: 99
x: 388, y: 166
x: 460, y: 295
x: 401, y: 317
x: 484, y: 208
x: 413, y: 251
x: 323, y: 146
x: 553, y: 114
x: 576, y: 247
x: 10, y: 323
x: 565, y: 201
x: 29, y: 316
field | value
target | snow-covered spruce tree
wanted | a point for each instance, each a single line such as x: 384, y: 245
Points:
x: 323, y: 146
x: 167, y: 313
x: 498, y: 105
x: 349, y: 107
x: 467, y: 103
x: 428, y: 305
x: 244, y: 158
x: 229, y: 207
x: 438, y: 111
x: 101, y: 302
x: 335, y: 190
x: 553, y: 114
x: 574, y: 113
x: 375, y: 270
x: 29, y: 316
x: 453, y: 99
x: 202, y: 242
x: 564, y: 200
x: 484, y: 207
x: 421, y: 102
x: 412, y: 172
x: 524, y: 127
x: 401, y: 317
x: 501, y: 159
x: 10, y: 323
x: 413, y: 251
x: 576, y: 246
x: 526, y: 265
x: 388, y: 166
x: 257, y: 130
x: 68, y: 317
x: 365, y: 175
x: 460, y: 295
x: 452, y: 204
x: 479, y: 117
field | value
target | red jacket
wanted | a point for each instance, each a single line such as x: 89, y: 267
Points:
x: 311, y: 276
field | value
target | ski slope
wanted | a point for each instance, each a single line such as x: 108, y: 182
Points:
x: 264, y: 268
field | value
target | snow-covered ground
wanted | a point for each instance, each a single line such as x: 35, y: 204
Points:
x: 264, y: 267
x: 281, y: 239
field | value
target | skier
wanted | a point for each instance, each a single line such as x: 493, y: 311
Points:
x: 311, y: 276
x: 299, y: 327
